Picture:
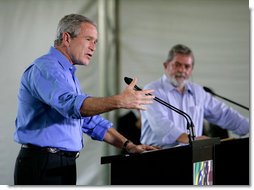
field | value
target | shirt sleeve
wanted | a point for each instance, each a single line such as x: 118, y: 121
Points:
x: 219, y: 113
x: 96, y: 127
x: 56, y: 89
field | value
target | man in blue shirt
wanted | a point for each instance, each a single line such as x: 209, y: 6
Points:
x: 53, y: 113
x: 163, y: 127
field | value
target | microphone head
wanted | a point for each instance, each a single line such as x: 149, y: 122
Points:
x: 209, y: 90
x: 129, y: 80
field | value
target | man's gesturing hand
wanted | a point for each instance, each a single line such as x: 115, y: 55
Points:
x: 132, y: 99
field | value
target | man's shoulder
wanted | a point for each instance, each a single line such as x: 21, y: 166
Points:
x: 153, y: 84
x: 195, y: 86
x: 46, y: 61
x: 196, y: 90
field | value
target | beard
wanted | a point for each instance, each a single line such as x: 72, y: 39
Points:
x: 177, y: 83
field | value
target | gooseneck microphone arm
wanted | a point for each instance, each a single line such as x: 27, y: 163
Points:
x: 212, y: 92
x: 190, y: 125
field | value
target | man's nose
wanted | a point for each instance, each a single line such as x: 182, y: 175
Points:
x: 92, y: 46
x: 181, y: 68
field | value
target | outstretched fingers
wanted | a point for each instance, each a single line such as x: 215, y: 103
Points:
x: 142, y: 148
x: 133, y: 83
x: 145, y: 98
x: 136, y: 99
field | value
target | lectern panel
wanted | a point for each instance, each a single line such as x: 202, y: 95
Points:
x: 176, y: 166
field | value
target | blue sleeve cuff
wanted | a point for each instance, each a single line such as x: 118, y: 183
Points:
x: 96, y: 127
x: 77, y: 105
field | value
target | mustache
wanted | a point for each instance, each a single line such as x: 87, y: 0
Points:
x: 179, y: 75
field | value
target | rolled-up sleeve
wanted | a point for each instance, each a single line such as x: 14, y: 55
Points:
x: 78, y: 103
x: 221, y: 114
x: 96, y: 127
x: 57, y: 90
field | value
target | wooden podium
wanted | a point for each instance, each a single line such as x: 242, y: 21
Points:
x: 204, y: 162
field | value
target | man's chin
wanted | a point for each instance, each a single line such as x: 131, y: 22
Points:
x: 177, y: 83
x: 82, y: 63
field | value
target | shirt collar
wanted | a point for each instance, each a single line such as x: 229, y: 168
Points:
x: 63, y: 61
x: 170, y: 87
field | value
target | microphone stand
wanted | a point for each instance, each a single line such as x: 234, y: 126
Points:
x: 212, y: 92
x: 190, y: 125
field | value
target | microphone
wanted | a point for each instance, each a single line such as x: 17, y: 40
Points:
x: 214, y: 94
x: 190, y: 125
x: 129, y: 80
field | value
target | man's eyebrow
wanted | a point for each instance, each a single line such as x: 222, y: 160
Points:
x: 179, y: 62
x: 182, y: 63
x: 91, y: 37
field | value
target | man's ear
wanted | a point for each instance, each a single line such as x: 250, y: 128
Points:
x: 165, y: 64
x: 66, y: 38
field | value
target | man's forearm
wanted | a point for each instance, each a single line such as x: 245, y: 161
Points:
x: 114, y: 138
x: 128, y: 99
x: 94, y: 106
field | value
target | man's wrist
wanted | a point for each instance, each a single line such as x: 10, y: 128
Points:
x: 125, y: 145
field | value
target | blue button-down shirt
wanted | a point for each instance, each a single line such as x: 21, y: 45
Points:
x: 49, y: 103
x: 161, y: 126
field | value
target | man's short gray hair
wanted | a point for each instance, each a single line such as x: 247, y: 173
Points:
x: 179, y: 49
x: 71, y: 24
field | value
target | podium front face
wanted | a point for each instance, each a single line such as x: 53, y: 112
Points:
x: 202, y: 155
x: 163, y: 167
x: 232, y: 162
x: 181, y: 165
